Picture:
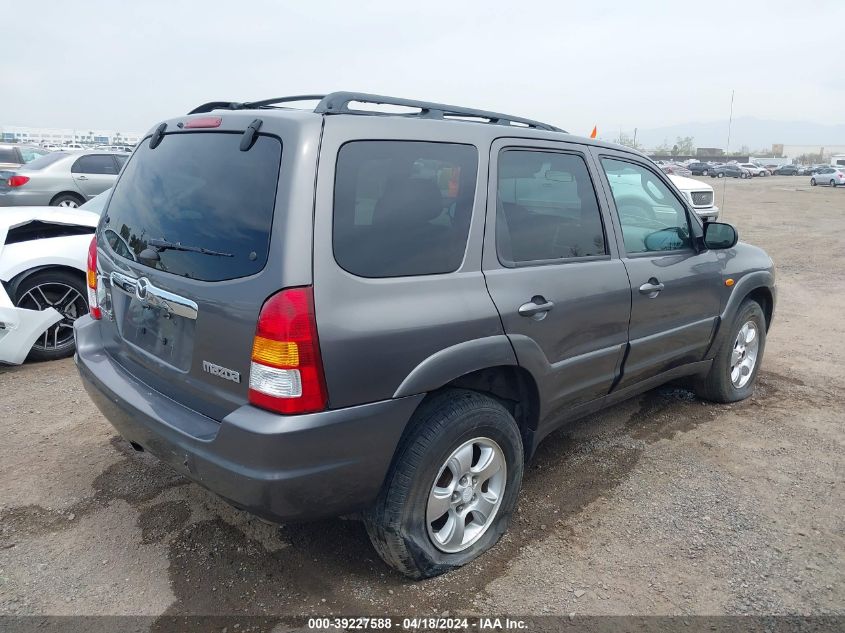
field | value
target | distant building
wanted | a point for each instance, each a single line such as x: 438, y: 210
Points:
x: 63, y: 136
x: 709, y: 151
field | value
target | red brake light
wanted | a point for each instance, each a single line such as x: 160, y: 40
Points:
x: 286, y: 375
x: 17, y: 181
x: 204, y: 121
x: 93, y: 303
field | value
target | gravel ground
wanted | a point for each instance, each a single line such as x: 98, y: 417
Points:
x: 661, y: 505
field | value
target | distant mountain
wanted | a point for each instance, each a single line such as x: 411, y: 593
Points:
x: 754, y: 133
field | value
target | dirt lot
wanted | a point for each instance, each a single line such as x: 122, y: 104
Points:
x: 663, y: 505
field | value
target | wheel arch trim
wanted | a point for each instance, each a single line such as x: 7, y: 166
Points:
x: 455, y: 361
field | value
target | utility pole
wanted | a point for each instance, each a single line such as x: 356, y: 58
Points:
x: 635, y: 138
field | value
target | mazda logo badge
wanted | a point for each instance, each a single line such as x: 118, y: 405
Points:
x: 141, y: 288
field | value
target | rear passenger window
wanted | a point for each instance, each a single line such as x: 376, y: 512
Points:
x: 403, y: 207
x: 95, y: 164
x: 546, y: 208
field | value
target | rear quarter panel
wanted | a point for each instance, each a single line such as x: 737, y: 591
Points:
x: 375, y: 332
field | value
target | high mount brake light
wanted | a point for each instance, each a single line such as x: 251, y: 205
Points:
x: 203, y: 121
x: 286, y: 374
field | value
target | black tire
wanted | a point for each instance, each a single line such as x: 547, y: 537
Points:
x: 832, y: 182
x: 717, y: 386
x: 67, y: 200
x: 24, y: 298
x: 397, y: 522
x: 720, y: 174
x: 813, y: 182
x: 705, y: 172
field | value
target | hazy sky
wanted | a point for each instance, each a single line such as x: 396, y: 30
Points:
x: 124, y: 65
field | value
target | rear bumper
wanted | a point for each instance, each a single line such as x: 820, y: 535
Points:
x: 279, y: 467
x: 23, y: 198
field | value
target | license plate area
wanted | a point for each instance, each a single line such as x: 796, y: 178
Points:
x: 153, y: 321
x: 166, y: 336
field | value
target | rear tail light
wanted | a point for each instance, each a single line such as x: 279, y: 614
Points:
x: 93, y: 303
x: 286, y: 375
x: 17, y: 181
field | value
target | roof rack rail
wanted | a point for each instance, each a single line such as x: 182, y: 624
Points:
x: 252, y: 105
x: 338, y: 103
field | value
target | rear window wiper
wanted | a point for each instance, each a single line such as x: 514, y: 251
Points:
x: 154, y: 247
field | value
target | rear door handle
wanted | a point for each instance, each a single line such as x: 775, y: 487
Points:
x: 537, y: 308
x: 651, y: 288
x: 82, y: 177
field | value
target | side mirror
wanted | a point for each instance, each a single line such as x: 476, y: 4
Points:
x: 719, y: 236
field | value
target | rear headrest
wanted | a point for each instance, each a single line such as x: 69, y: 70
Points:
x: 409, y: 201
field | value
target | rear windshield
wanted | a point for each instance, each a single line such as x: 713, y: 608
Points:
x: 44, y: 161
x: 8, y: 155
x: 198, y: 190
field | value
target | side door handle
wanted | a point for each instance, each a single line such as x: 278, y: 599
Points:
x: 82, y: 177
x: 537, y: 308
x: 651, y: 288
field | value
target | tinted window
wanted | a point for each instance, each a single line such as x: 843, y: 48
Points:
x: 8, y: 155
x: 402, y: 207
x: 121, y: 160
x: 45, y: 161
x: 546, y: 208
x: 95, y: 164
x: 199, y: 189
x: 652, y: 218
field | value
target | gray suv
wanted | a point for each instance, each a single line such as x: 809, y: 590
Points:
x: 350, y: 310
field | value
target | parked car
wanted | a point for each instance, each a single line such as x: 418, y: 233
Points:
x: 13, y: 156
x: 731, y: 170
x: 43, y: 253
x: 699, y: 195
x: 786, y: 170
x: 833, y: 176
x: 766, y: 169
x: 755, y: 170
x: 338, y: 333
x: 699, y: 169
x: 675, y: 168
x: 60, y: 179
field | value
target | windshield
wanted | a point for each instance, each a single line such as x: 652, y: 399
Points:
x: 198, y: 189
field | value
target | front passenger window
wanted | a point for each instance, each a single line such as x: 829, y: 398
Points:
x: 652, y: 218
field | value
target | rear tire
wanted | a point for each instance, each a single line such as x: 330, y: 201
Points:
x: 813, y: 182
x: 401, y: 524
x: 705, y: 172
x: 728, y: 381
x: 67, y: 200
x: 720, y: 175
x: 832, y: 182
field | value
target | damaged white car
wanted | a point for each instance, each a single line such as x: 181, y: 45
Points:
x: 43, y: 263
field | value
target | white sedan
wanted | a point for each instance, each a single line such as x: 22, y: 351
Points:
x: 43, y: 263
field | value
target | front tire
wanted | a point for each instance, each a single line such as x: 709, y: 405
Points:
x: 720, y: 175
x: 734, y: 370
x: 705, y: 172
x: 62, y: 291
x: 813, y: 182
x: 452, y: 488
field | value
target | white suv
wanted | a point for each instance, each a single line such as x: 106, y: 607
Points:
x: 755, y: 170
x: 700, y: 196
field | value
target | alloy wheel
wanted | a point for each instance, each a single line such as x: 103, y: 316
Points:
x: 744, y: 355
x: 67, y: 300
x: 466, y: 495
